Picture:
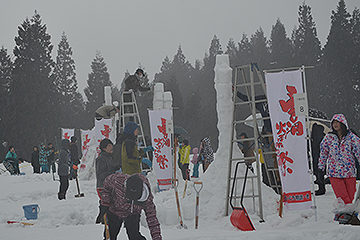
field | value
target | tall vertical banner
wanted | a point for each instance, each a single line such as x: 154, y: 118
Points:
x: 87, y: 137
x: 67, y: 133
x: 161, y: 141
x: 103, y: 129
x: 289, y: 138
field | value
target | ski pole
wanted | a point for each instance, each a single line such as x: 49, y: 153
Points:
x: 197, y: 202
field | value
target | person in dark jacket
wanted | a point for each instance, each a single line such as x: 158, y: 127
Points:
x: 64, y: 168
x: 137, y: 82
x: 124, y: 197
x: 317, y: 134
x: 104, y: 166
x: 74, y: 157
x: 262, y: 107
x: 35, y: 160
x: 131, y: 156
x: 117, y: 150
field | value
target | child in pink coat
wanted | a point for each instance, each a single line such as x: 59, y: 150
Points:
x: 195, y: 162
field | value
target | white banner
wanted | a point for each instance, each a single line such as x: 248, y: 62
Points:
x: 161, y: 141
x: 67, y: 133
x: 87, y: 136
x: 103, y: 129
x: 289, y: 138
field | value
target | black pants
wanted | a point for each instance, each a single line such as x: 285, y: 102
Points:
x: 184, y: 168
x: 64, y: 184
x: 51, y: 166
x: 36, y: 168
x: 132, y: 225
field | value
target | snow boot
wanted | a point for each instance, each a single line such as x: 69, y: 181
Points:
x: 61, y: 196
x: 321, y: 190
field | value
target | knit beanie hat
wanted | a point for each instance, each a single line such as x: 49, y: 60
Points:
x: 134, y: 187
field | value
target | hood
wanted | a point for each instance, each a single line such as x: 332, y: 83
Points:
x: 206, y: 140
x: 65, y: 144
x: 130, y: 127
x: 341, y: 118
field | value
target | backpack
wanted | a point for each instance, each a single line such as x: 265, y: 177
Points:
x: 347, y: 218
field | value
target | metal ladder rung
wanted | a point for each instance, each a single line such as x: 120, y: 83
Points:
x: 136, y: 118
x: 246, y: 84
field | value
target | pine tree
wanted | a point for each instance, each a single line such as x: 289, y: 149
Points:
x: 259, y: 49
x: 355, y: 65
x: 337, y: 65
x: 231, y: 50
x: 33, y: 97
x: 208, y: 93
x: 70, y: 100
x: 280, y: 46
x: 6, y: 68
x: 307, y: 47
x: 97, y: 80
x: 307, y: 52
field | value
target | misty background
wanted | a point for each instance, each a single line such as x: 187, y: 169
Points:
x: 51, y: 78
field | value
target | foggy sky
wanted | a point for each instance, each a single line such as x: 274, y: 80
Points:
x: 129, y: 32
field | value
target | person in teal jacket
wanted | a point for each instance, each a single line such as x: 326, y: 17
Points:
x: 43, y: 154
x: 11, y: 162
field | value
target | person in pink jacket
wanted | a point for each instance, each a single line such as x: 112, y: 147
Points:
x: 123, y: 198
x: 338, y: 151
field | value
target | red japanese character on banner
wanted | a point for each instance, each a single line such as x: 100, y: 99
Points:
x: 283, y: 159
x: 162, y: 128
x: 293, y: 126
x: 66, y: 136
x: 159, y: 144
x: 288, y: 106
x: 86, y: 142
x: 106, y: 132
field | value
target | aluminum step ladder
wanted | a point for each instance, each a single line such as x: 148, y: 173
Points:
x: 249, y: 81
x: 129, y: 111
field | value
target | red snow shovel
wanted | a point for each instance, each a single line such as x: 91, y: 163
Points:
x: 239, y: 217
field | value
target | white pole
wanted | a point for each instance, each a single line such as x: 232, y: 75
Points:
x: 309, y: 144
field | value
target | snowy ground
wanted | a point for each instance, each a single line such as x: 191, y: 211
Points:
x: 74, y: 218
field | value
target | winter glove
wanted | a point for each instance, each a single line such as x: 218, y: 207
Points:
x: 100, y: 217
x: 148, y: 149
x: 147, y: 162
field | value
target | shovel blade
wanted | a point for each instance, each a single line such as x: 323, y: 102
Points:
x: 80, y: 195
x: 241, y: 220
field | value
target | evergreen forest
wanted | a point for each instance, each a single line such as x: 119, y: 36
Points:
x: 40, y: 93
